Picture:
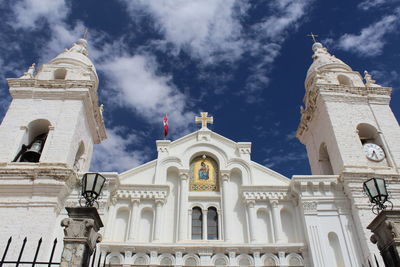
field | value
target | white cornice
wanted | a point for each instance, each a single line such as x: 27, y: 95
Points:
x: 64, y: 89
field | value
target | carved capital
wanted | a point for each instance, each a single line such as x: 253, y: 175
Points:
x: 225, y: 176
x: 250, y: 203
x: 310, y: 207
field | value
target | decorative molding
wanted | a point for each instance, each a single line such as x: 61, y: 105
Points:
x: 264, y: 195
x: 133, y: 192
x: 310, y: 207
x: 310, y: 99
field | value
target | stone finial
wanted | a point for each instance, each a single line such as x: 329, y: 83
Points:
x: 368, y: 80
x: 30, y: 73
x: 80, y: 46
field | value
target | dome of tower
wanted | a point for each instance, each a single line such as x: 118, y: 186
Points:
x: 78, y: 53
x: 324, y: 60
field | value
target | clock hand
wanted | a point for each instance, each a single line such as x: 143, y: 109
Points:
x: 373, y: 152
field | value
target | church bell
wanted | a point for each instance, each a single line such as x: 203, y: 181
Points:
x: 34, y: 150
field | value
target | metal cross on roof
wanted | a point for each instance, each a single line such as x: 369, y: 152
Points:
x: 85, y: 33
x: 204, y: 119
x: 313, y: 37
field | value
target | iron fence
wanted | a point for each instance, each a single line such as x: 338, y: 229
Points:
x: 5, y: 261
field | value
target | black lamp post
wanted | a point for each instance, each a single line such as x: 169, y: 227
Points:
x: 92, y: 184
x: 377, y: 193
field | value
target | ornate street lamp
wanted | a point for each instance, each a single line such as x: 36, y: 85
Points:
x: 92, y: 184
x: 375, y: 188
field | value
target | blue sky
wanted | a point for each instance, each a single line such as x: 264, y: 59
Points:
x: 242, y: 61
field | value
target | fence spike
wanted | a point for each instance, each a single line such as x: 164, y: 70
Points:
x: 22, y: 250
x: 37, y: 252
x: 5, y: 251
x: 52, y: 252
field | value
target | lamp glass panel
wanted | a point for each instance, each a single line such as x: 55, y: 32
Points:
x: 371, y: 187
x: 381, y: 186
x: 99, y: 183
x: 89, y: 181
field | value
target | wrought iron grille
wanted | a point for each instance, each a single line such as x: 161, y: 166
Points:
x: 6, y: 262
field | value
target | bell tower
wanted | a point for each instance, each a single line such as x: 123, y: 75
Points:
x: 346, y: 123
x: 47, y: 137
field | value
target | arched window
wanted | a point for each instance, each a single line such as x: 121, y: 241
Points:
x: 204, y: 174
x: 324, y: 160
x: 60, y: 74
x: 33, y: 142
x: 197, y: 224
x: 121, y: 224
x: 336, y: 249
x: 344, y: 80
x: 212, y: 224
x: 371, y: 142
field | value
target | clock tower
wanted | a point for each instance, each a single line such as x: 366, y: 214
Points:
x: 346, y: 124
x: 350, y: 134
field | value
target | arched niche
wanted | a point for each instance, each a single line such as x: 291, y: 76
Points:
x: 171, y: 205
x: 121, y: 224
x: 368, y: 134
x: 336, y: 250
x: 220, y: 260
x: 33, y: 141
x: 239, y: 213
x: 264, y: 232
x: 141, y: 259
x: 324, y: 160
x: 294, y: 259
x: 146, y: 225
x: 166, y: 259
x: 243, y: 167
x: 270, y: 259
x: 114, y: 258
x: 204, y: 174
x: 191, y: 260
x: 60, y: 74
x: 244, y: 260
x: 344, y: 80
x: 288, y: 226
x: 204, y: 149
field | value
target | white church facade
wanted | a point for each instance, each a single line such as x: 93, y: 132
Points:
x: 202, y: 201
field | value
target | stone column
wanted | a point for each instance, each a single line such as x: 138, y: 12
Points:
x: 251, y: 211
x: 227, y: 207
x: 80, y: 236
x: 219, y: 225
x: 204, y: 216
x: 134, y: 219
x: 157, y: 226
x: 183, y: 198
x: 386, y: 235
x: 110, y: 219
x: 276, y: 219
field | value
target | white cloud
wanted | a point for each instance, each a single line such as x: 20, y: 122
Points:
x: 114, y: 153
x: 370, y: 41
x: 29, y: 14
x: 135, y: 83
x: 284, y: 158
x: 368, y: 4
x: 208, y: 28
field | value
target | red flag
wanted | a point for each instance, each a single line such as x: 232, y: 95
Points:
x: 165, y: 121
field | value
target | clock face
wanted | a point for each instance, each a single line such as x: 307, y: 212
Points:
x: 373, y: 152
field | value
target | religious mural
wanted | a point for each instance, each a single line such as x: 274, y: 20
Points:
x: 204, y: 174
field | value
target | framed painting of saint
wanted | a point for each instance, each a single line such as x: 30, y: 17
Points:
x: 204, y: 174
